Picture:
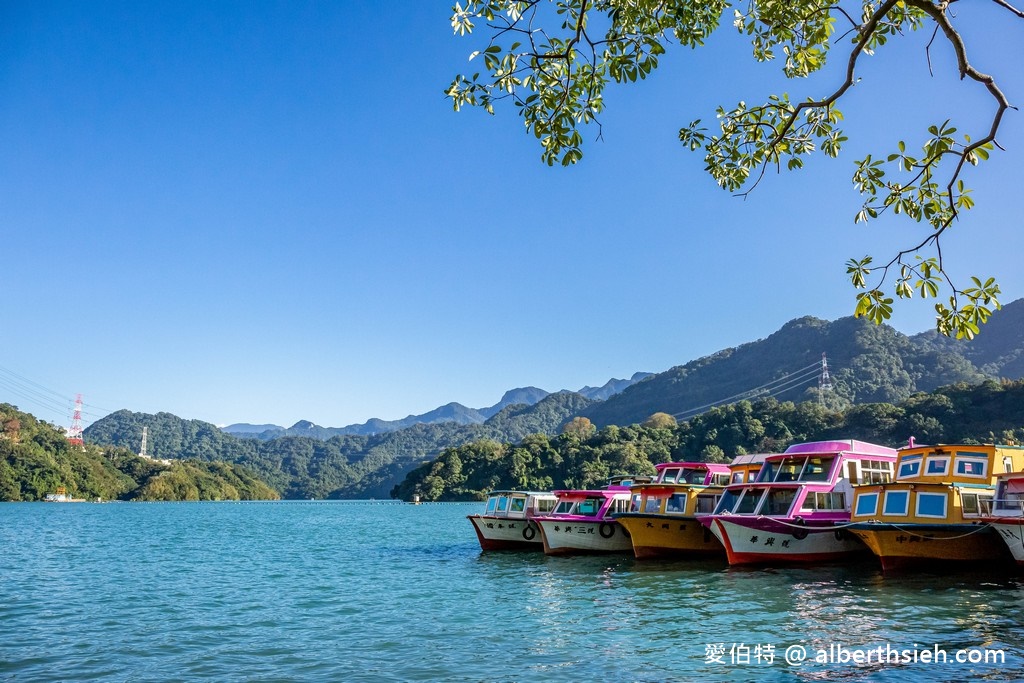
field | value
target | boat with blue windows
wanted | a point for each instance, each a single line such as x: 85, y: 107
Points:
x: 507, y: 522
x: 663, y: 521
x: 934, y: 510
x: 797, y: 508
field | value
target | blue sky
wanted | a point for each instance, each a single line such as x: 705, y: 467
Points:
x: 266, y: 212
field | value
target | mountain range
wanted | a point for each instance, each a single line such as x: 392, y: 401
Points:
x: 867, y: 364
x: 451, y: 412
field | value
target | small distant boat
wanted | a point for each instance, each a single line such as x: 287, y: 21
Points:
x: 797, y: 509
x: 584, y: 521
x: 933, y: 511
x: 61, y: 496
x: 664, y: 519
x: 1005, y: 513
x: 507, y: 521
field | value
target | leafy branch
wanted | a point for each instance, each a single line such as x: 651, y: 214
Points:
x: 557, y: 80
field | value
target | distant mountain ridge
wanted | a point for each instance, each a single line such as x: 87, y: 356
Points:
x: 452, y: 412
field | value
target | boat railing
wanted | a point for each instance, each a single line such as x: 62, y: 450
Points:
x: 999, y: 506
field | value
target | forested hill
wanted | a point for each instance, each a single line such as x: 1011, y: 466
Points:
x: 349, y: 466
x: 867, y: 362
x: 36, y: 459
x: 985, y: 413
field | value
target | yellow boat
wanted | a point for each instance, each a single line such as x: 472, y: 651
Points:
x: 664, y: 520
x: 933, y: 511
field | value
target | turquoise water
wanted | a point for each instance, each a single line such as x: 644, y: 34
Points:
x: 348, y: 591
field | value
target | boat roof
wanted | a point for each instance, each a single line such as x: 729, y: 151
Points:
x: 526, y: 493
x: 588, y: 493
x: 710, y: 466
x: 851, y: 446
x: 749, y: 459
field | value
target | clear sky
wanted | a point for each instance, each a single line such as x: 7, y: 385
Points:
x: 266, y: 212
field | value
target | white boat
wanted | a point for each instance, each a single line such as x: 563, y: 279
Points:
x: 507, y: 521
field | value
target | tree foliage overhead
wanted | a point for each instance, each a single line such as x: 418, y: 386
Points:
x: 552, y: 60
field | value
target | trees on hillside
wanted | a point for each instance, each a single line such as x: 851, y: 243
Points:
x: 552, y: 60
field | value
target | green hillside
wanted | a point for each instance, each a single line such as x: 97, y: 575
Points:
x: 36, y: 459
x: 989, y: 412
x: 348, y: 466
x: 868, y: 364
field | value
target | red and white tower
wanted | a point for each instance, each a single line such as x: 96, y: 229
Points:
x: 74, y: 432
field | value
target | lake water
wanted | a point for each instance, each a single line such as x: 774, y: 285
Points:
x: 352, y: 591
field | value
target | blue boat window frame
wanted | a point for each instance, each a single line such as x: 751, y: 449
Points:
x: 963, y: 459
x: 861, y: 510
x: 909, y: 467
x: 893, y: 496
x: 933, y: 460
x: 923, y: 496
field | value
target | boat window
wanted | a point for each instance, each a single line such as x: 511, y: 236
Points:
x: 1010, y: 502
x: 896, y: 503
x: 931, y: 505
x: 518, y: 504
x: 564, y: 507
x: 817, y: 469
x: 669, y: 474
x: 778, y: 502
x: 694, y: 477
x: 748, y: 503
x: 974, y: 504
x: 544, y: 505
x: 619, y: 505
x: 867, y: 505
x: 910, y: 467
x: 720, y: 479
x: 835, y: 500
x: 491, y: 502
x: 971, y: 467
x: 590, y: 506
x: 875, y: 472
x: 737, y: 478
x: 502, y: 504
x: 789, y: 469
x: 767, y: 472
x: 706, y: 504
x: 676, y: 504
x: 652, y: 505
x: 727, y: 502
x: 937, y: 465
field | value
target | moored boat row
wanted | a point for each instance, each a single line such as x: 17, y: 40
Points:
x: 821, y: 501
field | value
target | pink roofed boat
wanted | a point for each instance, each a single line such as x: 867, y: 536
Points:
x: 582, y: 521
x: 799, y: 506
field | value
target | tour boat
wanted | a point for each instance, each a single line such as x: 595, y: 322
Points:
x: 796, y: 509
x: 507, y: 521
x: 1006, y: 512
x: 932, y: 511
x: 582, y: 521
x: 663, y: 520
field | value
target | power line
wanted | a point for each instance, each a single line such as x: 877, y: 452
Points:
x: 799, y: 377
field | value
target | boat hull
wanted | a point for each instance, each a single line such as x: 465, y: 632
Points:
x: 1012, y: 533
x: 576, y: 537
x: 656, y: 535
x: 901, y: 546
x: 500, y: 533
x: 765, y: 541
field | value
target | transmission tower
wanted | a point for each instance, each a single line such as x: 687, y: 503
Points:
x: 142, y: 451
x: 74, y: 432
x: 824, y: 382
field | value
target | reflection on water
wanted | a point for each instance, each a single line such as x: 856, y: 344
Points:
x: 350, y: 591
